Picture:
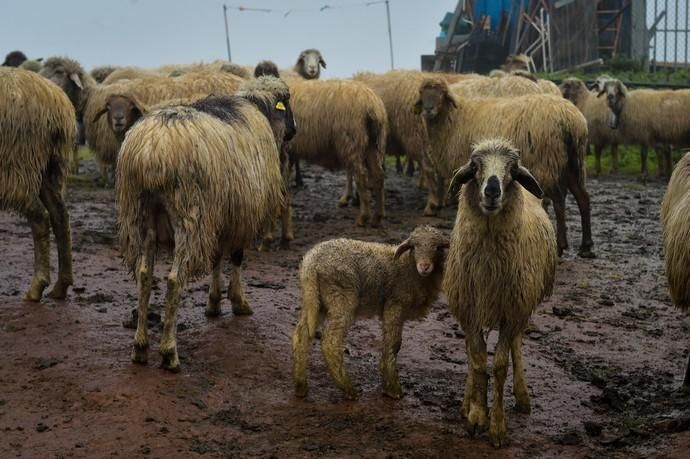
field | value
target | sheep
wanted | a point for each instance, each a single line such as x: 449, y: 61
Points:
x: 309, y: 64
x: 266, y: 68
x: 343, y: 278
x: 37, y: 132
x: 675, y: 221
x: 149, y: 91
x: 599, y: 120
x: 129, y: 73
x: 14, y: 59
x: 343, y: 124
x: 32, y: 65
x: 501, y: 265
x: 509, y: 85
x: 202, y: 179
x: 101, y: 73
x: 550, y: 131
x: 235, y: 69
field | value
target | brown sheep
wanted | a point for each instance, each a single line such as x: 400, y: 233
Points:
x: 342, y: 279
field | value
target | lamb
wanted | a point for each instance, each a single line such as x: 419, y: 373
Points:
x: 550, y: 131
x: 35, y: 141
x: 309, y: 64
x: 501, y: 265
x: 101, y: 73
x: 675, y: 220
x: 342, y: 279
x: 599, y: 120
x: 203, y: 180
x: 343, y: 125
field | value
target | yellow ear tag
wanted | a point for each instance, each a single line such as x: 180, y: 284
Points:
x: 280, y: 106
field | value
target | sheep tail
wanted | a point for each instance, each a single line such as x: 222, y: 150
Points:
x: 377, y: 133
x: 304, y: 332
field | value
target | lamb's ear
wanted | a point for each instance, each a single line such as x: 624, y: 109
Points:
x: 322, y: 62
x: 462, y: 176
x: 523, y: 176
x: 403, y: 247
x: 75, y: 78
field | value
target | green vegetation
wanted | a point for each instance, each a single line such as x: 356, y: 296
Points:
x: 628, y: 161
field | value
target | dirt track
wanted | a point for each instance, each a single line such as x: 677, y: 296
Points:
x: 603, y: 359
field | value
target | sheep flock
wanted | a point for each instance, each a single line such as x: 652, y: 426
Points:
x: 200, y: 156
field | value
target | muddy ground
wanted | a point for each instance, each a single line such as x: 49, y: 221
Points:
x: 604, y: 356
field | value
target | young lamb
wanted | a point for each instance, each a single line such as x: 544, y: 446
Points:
x: 204, y: 180
x: 342, y: 279
x: 500, y: 266
x: 675, y: 219
x: 37, y: 132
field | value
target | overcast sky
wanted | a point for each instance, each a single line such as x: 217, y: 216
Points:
x: 154, y: 32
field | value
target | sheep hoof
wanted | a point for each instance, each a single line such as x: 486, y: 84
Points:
x: 523, y: 407
x: 344, y: 201
x: 212, y: 311
x: 285, y: 242
x: 36, y: 290
x: 395, y: 393
x: 170, y: 361
x: 59, y: 291
x: 350, y: 394
x: 242, y: 309
x: 497, y: 439
x: 140, y: 354
x: 586, y: 253
x: 301, y: 389
x: 362, y: 220
x: 377, y: 221
x: 477, y: 420
x: 430, y: 210
x: 265, y: 246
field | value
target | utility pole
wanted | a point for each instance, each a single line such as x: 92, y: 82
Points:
x: 390, y: 35
x: 640, y: 35
x: 227, y: 35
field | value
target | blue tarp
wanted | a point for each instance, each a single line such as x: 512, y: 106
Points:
x: 497, y: 9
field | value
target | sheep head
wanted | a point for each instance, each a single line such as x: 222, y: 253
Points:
x: 426, y: 244
x: 14, y: 59
x: 309, y: 64
x: 235, y: 69
x: 573, y: 89
x: 493, y: 168
x: 434, y: 98
x: 123, y: 111
x: 616, y: 94
x: 272, y: 97
x: 266, y: 68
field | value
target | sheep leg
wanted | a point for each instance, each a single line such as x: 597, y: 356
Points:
x: 477, y: 420
x: 287, y: 232
x: 614, y: 159
x: 643, y: 161
x: 522, y: 403
x: 344, y: 199
x: 74, y: 164
x: 435, y: 193
x: 214, y: 294
x: 497, y: 427
x: 304, y: 332
x: 469, y: 387
x: 576, y: 186
x: 240, y: 307
x: 340, y: 317
x: 392, y: 339
x: 398, y: 164
x: 51, y: 197
x: 363, y: 189
x: 665, y: 161
x: 597, y: 159
x: 686, y: 381
x: 558, y: 200
x: 376, y: 175
x: 267, y: 237
x: 410, y: 167
x: 144, y: 280
x: 298, y: 174
x: 40, y: 230
x: 168, y: 346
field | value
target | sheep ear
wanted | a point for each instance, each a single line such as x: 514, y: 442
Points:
x: 621, y: 88
x: 75, y: 78
x: 322, y: 62
x: 403, y: 247
x: 418, y: 107
x: 451, y: 100
x: 462, y: 176
x: 523, y: 176
x: 601, y: 92
x: 143, y: 109
x: 100, y: 113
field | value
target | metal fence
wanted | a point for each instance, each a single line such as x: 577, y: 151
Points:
x: 668, y: 22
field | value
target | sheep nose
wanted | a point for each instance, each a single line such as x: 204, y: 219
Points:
x: 493, y: 188
x: 424, y: 267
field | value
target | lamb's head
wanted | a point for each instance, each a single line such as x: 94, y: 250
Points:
x: 272, y: 96
x: 492, y: 171
x: 616, y: 94
x: 266, y: 68
x: 434, y: 98
x: 427, y: 245
x: 69, y: 75
x: 123, y: 111
x: 309, y: 64
x: 573, y: 89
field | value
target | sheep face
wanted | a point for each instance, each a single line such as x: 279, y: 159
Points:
x: 283, y: 122
x: 68, y: 80
x: 426, y: 244
x: 123, y: 112
x: 491, y: 170
x: 434, y: 99
x: 572, y: 89
x: 616, y: 94
x: 309, y: 64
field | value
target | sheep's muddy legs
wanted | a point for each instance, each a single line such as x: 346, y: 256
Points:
x: 168, y: 347
x: 40, y: 230
x: 469, y: 386
x: 376, y: 173
x: 214, y: 295
x: 287, y: 233
x: 477, y: 420
x: 240, y: 307
x: 332, y: 343
x: 558, y: 200
x: 497, y: 426
x: 392, y: 339
x: 614, y: 159
x: 643, y: 161
x: 597, y: 159
x: 344, y: 199
x: 363, y: 189
x: 522, y: 403
x: 51, y: 196
x: 144, y: 280
x: 576, y: 186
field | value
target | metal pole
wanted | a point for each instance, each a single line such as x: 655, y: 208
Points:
x: 390, y: 35
x: 227, y: 35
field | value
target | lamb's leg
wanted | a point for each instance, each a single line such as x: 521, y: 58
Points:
x: 576, y: 186
x: 341, y: 310
x: 240, y: 307
x: 497, y: 428
x: 363, y: 189
x: 168, y: 347
x: 40, y: 230
x: 51, y: 197
x: 214, y: 294
x: 392, y: 339
x: 144, y: 280
x: 344, y: 199
x: 597, y: 159
x: 614, y: 159
x: 477, y: 419
x: 522, y: 403
x: 558, y: 200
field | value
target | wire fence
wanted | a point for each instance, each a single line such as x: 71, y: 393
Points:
x: 668, y: 22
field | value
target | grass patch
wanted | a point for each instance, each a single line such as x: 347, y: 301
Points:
x: 85, y: 153
x: 628, y: 160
